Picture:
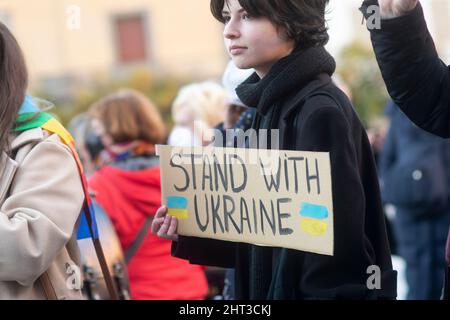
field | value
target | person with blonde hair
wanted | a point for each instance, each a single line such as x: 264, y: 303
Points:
x: 128, y: 187
x: 197, y: 108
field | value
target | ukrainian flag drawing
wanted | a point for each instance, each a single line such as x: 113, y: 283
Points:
x: 177, y: 207
x: 314, y: 217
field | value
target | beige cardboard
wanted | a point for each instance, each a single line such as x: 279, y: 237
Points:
x: 261, y: 215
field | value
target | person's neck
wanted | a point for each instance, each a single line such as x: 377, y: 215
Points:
x: 264, y: 70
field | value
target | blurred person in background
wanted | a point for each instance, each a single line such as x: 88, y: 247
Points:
x: 197, y: 108
x: 238, y: 117
x: 415, y: 178
x: 341, y: 84
x: 128, y: 186
x: 87, y: 142
x: 377, y: 131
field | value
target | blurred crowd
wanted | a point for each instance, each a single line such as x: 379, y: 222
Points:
x: 117, y: 139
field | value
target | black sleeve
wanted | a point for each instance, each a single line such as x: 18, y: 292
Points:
x: 343, y: 275
x: 208, y: 252
x: 417, y: 80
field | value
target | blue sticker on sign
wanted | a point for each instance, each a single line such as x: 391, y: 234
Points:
x: 177, y: 202
x: 313, y: 211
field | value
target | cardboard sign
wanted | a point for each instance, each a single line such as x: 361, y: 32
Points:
x: 264, y: 197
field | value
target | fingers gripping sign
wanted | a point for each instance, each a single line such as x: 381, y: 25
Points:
x: 165, y: 226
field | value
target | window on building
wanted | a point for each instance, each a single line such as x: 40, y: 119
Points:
x: 130, y: 38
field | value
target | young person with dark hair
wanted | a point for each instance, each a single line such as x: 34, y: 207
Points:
x: 292, y: 92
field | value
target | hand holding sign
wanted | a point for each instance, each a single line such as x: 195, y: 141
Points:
x: 265, y: 197
x: 165, y: 226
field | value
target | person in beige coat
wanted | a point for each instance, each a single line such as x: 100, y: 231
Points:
x: 41, y: 197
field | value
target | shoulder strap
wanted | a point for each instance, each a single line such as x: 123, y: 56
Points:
x: 131, y: 250
x: 47, y: 285
x: 44, y: 279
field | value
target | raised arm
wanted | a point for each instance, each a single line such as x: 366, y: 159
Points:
x: 417, y: 80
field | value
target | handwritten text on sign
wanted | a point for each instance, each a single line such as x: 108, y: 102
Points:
x: 265, y: 197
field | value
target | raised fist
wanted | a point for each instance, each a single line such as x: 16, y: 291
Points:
x: 396, y: 8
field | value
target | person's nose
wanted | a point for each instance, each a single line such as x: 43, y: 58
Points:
x: 231, y: 30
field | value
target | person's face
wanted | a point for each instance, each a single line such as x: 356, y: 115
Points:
x: 253, y: 42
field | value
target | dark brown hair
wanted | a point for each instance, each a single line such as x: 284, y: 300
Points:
x: 129, y: 115
x: 302, y: 20
x: 13, y: 84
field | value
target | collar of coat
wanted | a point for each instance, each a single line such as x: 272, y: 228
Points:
x: 30, y: 117
x: 289, y: 74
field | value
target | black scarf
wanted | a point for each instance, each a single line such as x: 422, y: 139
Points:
x: 289, y: 74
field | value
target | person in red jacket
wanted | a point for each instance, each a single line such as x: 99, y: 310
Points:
x: 128, y: 187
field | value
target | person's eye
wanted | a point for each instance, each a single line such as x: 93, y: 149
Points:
x: 226, y: 19
x: 246, y: 16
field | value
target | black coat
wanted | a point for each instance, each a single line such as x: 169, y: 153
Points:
x: 417, y: 80
x: 298, y: 98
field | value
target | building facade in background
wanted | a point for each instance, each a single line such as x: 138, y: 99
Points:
x: 63, y: 40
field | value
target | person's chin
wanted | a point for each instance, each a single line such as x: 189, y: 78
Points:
x: 241, y: 63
